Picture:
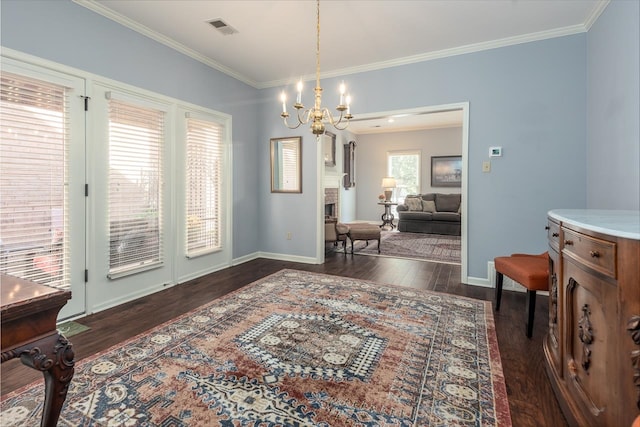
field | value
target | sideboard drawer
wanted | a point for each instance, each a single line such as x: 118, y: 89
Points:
x: 553, y: 234
x: 600, y: 255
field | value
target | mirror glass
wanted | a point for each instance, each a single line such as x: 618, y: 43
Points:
x: 286, y: 165
x: 329, y: 148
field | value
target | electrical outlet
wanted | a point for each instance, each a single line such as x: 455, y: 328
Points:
x: 486, y: 166
x: 288, y: 235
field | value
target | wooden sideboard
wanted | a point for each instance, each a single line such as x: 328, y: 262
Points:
x: 592, y: 348
x: 29, y: 312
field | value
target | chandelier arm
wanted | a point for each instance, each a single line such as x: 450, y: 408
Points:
x: 346, y: 125
x: 305, y: 117
x: 284, y: 119
x: 326, y: 113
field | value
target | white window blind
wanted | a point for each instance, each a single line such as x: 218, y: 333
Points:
x: 34, y: 143
x: 203, y: 186
x: 136, y: 136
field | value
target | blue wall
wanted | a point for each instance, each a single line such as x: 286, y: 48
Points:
x: 613, y: 112
x: 64, y: 32
x: 531, y: 99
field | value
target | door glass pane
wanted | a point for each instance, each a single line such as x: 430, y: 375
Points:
x: 34, y: 136
x: 203, y: 186
x: 135, y: 167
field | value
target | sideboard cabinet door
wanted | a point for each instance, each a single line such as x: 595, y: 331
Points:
x: 590, y: 339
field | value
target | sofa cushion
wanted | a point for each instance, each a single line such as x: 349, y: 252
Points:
x: 446, y: 216
x: 414, y: 203
x: 447, y: 202
x: 428, y: 196
x: 428, y: 206
x: 416, y: 215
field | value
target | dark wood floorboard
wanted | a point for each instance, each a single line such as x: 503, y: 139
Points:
x: 531, y: 398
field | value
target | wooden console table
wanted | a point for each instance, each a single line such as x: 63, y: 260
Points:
x: 29, y: 312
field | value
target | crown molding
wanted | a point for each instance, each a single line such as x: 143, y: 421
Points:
x: 169, y: 42
x: 595, y: 13
x: 462, y: 50
x: 470, y: 48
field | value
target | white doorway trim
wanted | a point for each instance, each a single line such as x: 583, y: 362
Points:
x: 464, y: 106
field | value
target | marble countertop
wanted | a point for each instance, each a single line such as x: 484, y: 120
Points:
x: 617, y: 223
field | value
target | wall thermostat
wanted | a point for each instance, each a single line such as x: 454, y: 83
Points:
x: 495, y: 151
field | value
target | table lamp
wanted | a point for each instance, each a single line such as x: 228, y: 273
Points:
x: 388, y: 184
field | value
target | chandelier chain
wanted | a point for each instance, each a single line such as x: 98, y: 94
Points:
x: 318, y: 43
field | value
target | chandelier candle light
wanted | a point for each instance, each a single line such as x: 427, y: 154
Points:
x: 318, y: 115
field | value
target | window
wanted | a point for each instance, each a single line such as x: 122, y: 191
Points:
x: 203, y: 186
x: 405, y: 168
x: 136, y: 136
x: 33, y: 192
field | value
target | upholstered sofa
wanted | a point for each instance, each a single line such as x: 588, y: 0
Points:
x: 433, y: 213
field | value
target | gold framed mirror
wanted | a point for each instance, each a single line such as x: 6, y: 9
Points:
x: 286, y: 165
x: 329, y: 148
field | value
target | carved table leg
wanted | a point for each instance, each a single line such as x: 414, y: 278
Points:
x: 53, y: 355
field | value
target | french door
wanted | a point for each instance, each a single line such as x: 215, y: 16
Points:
x: 42, y: 179
x: 107, y: 190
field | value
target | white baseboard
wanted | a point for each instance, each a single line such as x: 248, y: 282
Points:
x: 203, y: 272
x: 479, y: 281
x: 286, y: 257
x: 245, y: 258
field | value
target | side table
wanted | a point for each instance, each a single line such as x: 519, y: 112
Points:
x: 29, y: 312
x: 387, y: 217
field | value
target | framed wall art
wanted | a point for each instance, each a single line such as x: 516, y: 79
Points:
x: 446, y: 171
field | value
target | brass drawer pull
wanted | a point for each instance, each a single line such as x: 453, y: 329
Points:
x: 568, y: 242
x: 555, y: 234
x: 594, y: 254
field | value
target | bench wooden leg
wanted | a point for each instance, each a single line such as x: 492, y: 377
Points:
x: 531, y: 309
x: 499, y: 280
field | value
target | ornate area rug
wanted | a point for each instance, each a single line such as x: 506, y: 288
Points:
x: 402, y: 244
x: 295, y: 349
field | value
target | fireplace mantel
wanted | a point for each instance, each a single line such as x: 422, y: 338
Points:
x: 333, y: 180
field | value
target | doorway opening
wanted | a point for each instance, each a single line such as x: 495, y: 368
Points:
x: 367, y: 127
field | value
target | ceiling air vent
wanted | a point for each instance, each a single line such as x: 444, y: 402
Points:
x: 223, y: 27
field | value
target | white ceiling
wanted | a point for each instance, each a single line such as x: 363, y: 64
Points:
x: 406, y: 122
x: 275, y: 42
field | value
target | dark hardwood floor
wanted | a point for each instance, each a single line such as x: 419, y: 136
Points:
x: 531, y: 398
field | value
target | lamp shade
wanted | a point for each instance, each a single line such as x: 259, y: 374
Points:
x: 388, y: 182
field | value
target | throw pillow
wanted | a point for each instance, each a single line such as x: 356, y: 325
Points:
x: 428, y: 206
x: 413, y: 203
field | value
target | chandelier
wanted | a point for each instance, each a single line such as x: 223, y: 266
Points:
x: 317, y: 115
